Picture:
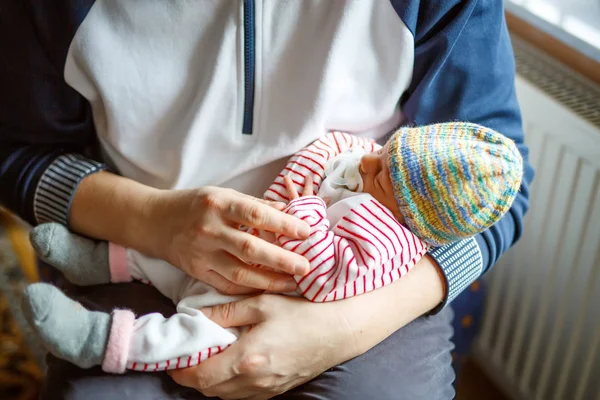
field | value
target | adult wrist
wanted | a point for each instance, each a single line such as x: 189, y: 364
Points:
x: 460, y: 264
x: 155, y: 222
x: 109, y: 207
x: 57, y: 185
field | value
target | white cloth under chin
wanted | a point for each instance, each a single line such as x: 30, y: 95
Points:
x: 342, y: 177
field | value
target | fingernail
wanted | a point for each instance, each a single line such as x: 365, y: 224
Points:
x: 290, y: 286
x: 301, y: 269
x: 304, y: 230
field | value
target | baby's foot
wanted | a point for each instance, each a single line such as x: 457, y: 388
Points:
x: 68, y: 330
x: 83, y: 261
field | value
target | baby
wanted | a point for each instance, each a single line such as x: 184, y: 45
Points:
x: 376, y: 212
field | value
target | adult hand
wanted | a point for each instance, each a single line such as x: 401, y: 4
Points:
x: 196, y: 230
x: 291, y: 341
x: 199, y: 233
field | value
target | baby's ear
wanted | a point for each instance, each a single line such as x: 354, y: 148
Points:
x: 82, y: 260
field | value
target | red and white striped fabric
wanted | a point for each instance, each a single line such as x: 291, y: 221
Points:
x: 312, y: 159
x: 176, y: 363
x: 365, y: 250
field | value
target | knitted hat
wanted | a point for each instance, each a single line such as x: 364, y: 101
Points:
x: 453, y: 180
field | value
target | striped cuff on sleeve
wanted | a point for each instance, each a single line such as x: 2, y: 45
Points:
x: 461, y: 263
x: 52, y: 199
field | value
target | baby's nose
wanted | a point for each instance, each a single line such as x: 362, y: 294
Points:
x: 368, y: 162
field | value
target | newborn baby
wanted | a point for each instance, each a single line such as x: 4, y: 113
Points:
x: 376, y: 212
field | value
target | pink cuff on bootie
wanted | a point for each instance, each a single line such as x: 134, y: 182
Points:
x: 117, y: 349
x: 117, y: 260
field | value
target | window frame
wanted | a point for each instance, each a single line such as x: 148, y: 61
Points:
x: 569, y: 50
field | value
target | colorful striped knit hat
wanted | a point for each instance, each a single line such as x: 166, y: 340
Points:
x: 453, y: 180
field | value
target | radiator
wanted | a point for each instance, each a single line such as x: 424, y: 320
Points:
x: 540, y: 337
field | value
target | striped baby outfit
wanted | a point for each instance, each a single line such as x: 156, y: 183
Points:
x: 355, y: 246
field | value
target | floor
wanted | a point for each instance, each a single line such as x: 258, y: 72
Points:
x: 473, y: 384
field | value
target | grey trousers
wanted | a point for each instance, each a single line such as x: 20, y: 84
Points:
x: 414, y: 363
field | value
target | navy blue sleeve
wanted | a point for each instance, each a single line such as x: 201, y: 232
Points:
x: 464, y: 71
x: 42, y: 119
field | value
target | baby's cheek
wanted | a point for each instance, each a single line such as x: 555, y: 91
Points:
x: 368, y: 188
x: 399, y: 216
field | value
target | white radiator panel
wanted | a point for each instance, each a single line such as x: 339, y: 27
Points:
x: 541, y: 334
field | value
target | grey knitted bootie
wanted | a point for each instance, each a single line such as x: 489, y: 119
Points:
x: 66, y: 328
x: 82, y: 261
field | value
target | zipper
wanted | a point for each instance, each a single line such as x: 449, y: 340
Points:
x: 248, y: 67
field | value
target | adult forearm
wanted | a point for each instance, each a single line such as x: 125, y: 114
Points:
x: 374, y: 316
x: 110, y: 207
x: 195, y: 230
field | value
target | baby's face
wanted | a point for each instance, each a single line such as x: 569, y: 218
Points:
x: 375, y: 174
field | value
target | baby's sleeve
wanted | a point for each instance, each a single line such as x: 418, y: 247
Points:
x: 312, y: 159
x: 365, y: 250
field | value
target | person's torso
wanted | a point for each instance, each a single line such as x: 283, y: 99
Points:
x: 190, y: 93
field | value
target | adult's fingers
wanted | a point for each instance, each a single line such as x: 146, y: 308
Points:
x: 242, y: 274
x: 247, y: 388
x: 224, y: 285
x: 209, y: 373
x: 238, y: 387
x: 261, y: 216
x: 255, y: 250
x: 278, y: 205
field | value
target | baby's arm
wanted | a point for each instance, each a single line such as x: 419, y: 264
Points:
x: 311, y: 160
x: 365, y: 250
